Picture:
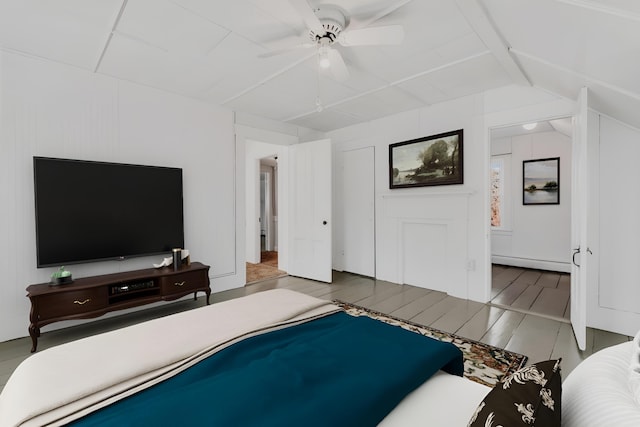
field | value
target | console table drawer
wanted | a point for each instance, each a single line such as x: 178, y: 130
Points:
x: 72, y: 302
x: 184, y: 282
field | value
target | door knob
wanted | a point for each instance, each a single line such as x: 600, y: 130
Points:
x: 324, y: 222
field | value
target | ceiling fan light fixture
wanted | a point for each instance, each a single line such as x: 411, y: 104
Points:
x: 530, y: 126
x: 323, y: 57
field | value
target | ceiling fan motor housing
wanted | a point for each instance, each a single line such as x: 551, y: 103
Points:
x: 333, y: 22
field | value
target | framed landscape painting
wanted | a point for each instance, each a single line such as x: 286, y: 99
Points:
x: 541, y: 181
x: 432, y: 160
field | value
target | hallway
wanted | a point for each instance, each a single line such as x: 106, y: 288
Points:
x: 546, y: 293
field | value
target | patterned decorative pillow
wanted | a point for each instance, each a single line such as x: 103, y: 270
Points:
x: 531, y: 396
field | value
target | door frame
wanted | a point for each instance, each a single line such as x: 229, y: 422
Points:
x: 541, y: 112
x: 254, y: 151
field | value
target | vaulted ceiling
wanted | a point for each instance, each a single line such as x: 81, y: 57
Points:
x: 220, y: 51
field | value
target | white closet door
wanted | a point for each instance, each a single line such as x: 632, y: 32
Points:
x: 358, y: 193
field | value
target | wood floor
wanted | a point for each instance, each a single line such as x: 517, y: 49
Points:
x: 544, y: 293
x: 266, y: 269
x: 538, y: 337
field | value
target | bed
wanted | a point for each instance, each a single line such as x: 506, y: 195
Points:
x: 272, y: 358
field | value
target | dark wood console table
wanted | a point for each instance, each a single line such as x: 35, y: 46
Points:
x: 94, y: 296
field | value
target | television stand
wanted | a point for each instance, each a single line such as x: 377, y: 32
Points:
x: 91, y: 297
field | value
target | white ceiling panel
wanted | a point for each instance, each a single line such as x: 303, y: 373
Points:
x: 602, y: 98
x: 390, y: 100
x: 133, y: 60
x: 429, y: 28
x: 619, y: 7
x: 291, y: 92
x: 211, y: 50
x: 468, y: 77
x: 68, y: 31
x: 244, y: 18
x: 550, y: 77
x: 578, y: 38
x: 429, y: 24
x: 167, y: 25
x: 422, y: 89
x: 238, y: 67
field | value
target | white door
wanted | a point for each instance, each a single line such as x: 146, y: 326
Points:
x: 580, y: 184
x: 310, y: 207
x: 358, y: 196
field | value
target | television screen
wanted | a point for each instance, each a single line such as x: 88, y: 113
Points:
x: 88, y: 211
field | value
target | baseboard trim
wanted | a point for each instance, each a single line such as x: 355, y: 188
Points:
x: 562, y: 267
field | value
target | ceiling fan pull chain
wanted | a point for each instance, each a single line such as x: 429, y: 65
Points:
x: 318, y: 101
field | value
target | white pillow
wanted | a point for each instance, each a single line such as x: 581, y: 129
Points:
x: 634, y: 369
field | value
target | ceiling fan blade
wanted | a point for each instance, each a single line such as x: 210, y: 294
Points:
x: 365, y: 22
x: 338, y: 67
x: 306, y: 13
x: 387, y: 35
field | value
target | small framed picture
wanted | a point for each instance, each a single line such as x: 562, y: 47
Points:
x: 541, y: 181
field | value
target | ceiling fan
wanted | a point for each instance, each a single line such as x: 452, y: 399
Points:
x: 328, y: 25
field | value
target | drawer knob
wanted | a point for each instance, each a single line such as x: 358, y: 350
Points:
x: 82, y: 302
x: 180, y: 283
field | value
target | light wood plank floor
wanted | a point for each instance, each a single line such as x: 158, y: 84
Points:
x: 538, y: 337
x: 544, y: 293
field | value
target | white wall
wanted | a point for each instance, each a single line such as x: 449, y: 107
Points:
x: 534, y: 236
x: 613, y: 301
x: 50, y: 109
x: 438, y: 237
x: 426, y: 236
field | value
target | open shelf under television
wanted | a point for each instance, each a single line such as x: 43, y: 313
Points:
x: 94, y: 296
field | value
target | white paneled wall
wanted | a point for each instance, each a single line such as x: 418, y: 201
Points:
x: 49, y: 109
x: 614, y: 301
x: 438, y: 237
x: 426, y: 236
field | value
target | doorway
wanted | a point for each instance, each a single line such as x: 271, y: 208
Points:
x: 268, y: 204
x: 267, y: 267
x: 531, y: 241
x: 303, y: 196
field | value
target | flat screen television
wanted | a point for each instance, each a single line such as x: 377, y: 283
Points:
x: 89, y: 211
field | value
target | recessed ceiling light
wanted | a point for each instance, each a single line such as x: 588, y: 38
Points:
x: 530, y: 126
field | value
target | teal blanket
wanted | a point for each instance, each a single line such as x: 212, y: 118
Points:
x: 338, y: 370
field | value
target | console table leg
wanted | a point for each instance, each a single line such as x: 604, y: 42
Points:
x: 208, y: 292
x: 34, y: 333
